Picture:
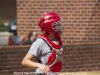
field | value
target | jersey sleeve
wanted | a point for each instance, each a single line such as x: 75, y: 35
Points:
x: 35, y: 48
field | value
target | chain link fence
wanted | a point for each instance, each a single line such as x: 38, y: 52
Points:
x: 7, y: 14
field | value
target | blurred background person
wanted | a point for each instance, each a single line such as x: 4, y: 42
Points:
x: 15, y: 39
x: 31, y: 38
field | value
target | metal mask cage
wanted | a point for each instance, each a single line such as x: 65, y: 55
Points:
x: 58, y: 27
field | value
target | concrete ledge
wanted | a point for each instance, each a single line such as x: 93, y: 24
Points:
x: 4, y: 38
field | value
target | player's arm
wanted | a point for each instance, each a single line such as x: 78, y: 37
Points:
x: 27, y: 61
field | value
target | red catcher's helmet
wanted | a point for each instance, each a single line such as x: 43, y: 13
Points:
x: 50, y: 22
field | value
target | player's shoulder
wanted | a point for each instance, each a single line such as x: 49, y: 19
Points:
x: 40, y: 41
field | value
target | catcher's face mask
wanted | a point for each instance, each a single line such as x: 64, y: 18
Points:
x: 58, y: 27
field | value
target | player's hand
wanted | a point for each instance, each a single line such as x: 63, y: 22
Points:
x: 44, y: 69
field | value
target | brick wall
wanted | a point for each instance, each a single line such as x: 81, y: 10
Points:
x: 81, y: 57
x: 77, y: 57
x: 81, y: 17
x: 10, y: 59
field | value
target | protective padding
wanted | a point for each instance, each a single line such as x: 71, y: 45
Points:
x: 56, y: 67
x: 51, y: 58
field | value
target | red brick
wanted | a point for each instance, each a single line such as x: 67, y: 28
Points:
x: 72, y: 12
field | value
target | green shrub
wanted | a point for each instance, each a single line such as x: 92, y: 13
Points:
x: 2, y: 26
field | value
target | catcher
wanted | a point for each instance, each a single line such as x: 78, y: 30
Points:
x: 47, y: 49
